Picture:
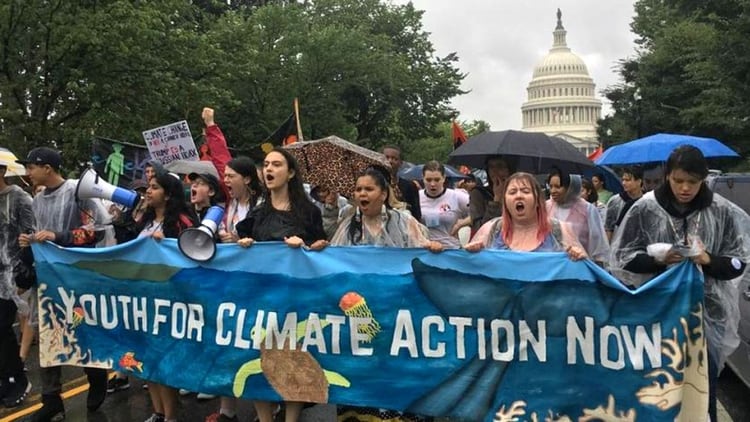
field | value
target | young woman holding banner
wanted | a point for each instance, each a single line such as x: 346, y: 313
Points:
x: 286, y: 214
x: 680, y: 220
x: 376, y: 223
x: 525, y: 224
x: 167, y: 215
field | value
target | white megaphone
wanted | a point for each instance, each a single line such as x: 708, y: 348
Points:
x: 197, y: 243
x: 90, y: 185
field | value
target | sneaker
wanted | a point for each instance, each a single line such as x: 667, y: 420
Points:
x: 220, y: 417
x: 52, y: 410
x: 118, y: 384
x: 16, y: 391
x: 205, y: 396
x: 184, y: 392
x: 155, y: 417
x: 97, y: 391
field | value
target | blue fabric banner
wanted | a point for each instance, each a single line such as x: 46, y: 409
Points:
x: 496, y: 335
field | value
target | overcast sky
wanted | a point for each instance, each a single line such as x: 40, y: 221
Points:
x: 500, y: 41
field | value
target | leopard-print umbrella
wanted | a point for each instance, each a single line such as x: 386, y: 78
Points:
x: 334, y: 162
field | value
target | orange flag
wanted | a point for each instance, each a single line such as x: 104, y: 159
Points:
x: 459, y: 136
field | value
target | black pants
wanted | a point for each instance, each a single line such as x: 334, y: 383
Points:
x: 52, y: 378
x: 10, y: 360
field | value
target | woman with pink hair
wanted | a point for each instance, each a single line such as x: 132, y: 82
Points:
x: 525, y: 224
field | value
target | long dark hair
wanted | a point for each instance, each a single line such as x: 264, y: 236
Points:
x: 300, y: 204
x: 380, y: 176
x: 245, y: 167
x: 177, y: 214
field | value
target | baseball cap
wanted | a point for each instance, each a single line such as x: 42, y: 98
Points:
x: 212, y: 181
x: 41, y: 156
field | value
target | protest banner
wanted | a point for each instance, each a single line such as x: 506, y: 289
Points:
x: 171, y: 142
x: 120, y: 163
x: 487, y: 336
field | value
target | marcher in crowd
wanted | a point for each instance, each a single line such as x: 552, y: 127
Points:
x: 205, y: 192
x: 566, y: 204
x: 698, y: 225
x: 63, y: 219
x: 244, y: 187
x: 653, y: 176
x: 444, y: 211
x: 166, y: 216
x: 601, y: 188
x: 588, y: 193
x: 405, y: 191
x: 525, y: 224
x: 286, y: 214
x: 245, y: 190
x: 618, y: 205
x: 486, y: 202
x: 376, y: 223
x: 16, y: 273
x: 215, y: 148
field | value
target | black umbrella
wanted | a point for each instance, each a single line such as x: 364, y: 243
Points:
x: 533, y: 152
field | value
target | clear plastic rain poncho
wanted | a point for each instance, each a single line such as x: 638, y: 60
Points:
x: 59, y: 211
x: 399, y: 230
x: 15, y: 218
x: 583, y: 218
x: 721, y: 227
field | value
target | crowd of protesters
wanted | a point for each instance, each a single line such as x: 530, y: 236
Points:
x: 513, y: 210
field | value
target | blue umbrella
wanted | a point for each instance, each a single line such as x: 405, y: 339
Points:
x: 415, y: 173
x: 656, y: 148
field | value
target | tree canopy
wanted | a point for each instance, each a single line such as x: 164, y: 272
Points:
x: 364, y: 70
x: 690, y: 74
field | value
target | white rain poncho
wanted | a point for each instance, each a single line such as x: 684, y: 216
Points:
x: 399, y: 230
x: 59, y: 211
x: 722, y: 227
x: 15, y: 218
x: 583, y: 218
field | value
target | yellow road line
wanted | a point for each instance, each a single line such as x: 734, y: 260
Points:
x: 31, y: 409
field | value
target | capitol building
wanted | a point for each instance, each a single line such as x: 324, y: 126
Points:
x: 561, y: 96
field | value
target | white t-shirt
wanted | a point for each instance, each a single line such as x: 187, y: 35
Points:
x: 441, y: 213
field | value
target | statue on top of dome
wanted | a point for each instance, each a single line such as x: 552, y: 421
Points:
x: 559, y: 19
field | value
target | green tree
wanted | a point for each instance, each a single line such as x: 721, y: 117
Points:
x: 364, y: 70
x: 690, y: 73
x: 439, y: 146
x: 70, y: 70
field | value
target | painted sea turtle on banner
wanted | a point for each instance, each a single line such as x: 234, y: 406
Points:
x: 334, y: 162
x: 293, y: 373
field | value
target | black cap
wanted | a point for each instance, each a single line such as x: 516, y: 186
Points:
x: 41, y: 156
x: 212, y: 181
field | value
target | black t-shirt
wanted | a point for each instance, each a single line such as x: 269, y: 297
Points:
x: 410, y: 195
x: 271, y: 224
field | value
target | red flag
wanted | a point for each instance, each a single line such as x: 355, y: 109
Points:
x: 596, y: 153
x: 459, y: 136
